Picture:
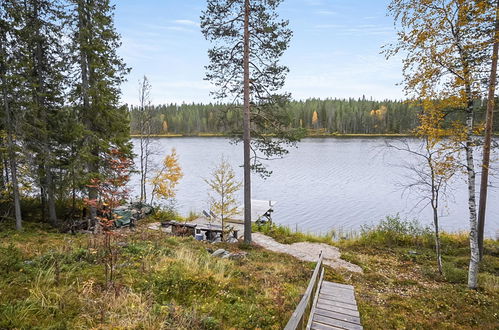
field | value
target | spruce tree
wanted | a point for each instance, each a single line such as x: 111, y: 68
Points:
x: 9, y: 78
x: 41, y: 58
x: 95, y: 93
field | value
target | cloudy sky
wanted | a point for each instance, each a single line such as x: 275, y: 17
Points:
x: 335, y: 50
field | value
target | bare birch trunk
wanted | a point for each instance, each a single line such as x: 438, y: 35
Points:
x: 438, y: 249
x: 470, y: 167
x: 488, y: 135
x: 246, y: 127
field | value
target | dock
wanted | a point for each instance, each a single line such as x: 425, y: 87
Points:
x: 258, y: 209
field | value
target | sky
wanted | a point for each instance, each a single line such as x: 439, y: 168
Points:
x: 334, y: 52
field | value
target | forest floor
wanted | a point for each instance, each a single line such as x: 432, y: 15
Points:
x: 58, y: 281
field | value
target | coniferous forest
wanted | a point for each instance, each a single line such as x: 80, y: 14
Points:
x: 329, y: 116
x: 61, y: 115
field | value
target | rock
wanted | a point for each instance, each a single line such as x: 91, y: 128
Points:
x: 146, y: 210
x: 413, y: 252
x: 238, y: 255
x: 232, y: 240
x: 219, y: 253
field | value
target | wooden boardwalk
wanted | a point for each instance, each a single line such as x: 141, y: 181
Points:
x: 335, y: 308
x: 325, y: 305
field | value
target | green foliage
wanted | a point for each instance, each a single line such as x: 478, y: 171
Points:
x: 394, y: 231
x: 285, y: 235
x: 335, y: 116
x: 454, y: 274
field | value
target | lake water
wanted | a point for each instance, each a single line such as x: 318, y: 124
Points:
x: 324, y: 184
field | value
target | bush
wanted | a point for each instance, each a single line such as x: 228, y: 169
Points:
x: 396, y: 231
x: 453, y: 274
x: 285, y: 235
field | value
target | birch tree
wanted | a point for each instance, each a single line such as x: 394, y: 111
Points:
x: 167, y: 178
x: 445, y: 56
x: 144, y: 122
x: 433, y: 166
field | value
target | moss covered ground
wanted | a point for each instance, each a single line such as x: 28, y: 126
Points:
x: 50, y: 280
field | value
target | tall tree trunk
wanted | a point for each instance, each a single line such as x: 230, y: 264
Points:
x: 470, y: 168
x: 435, y: 188
x: 51, y: 197
x: 40, y: 90
x: 2, y: 177
x: 9, y: 127
x: 142, y: 171
x: 488, y: 135
x: 246, y: 127
x: 83, y: 22
x: 12, y: 157
x: 438, y: 249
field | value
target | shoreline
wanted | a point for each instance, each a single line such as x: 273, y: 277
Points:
x: 324, y: 135
x: 319, y: 135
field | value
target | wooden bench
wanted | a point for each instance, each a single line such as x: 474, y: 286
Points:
x: 325, y: 305
x: 179, y: 228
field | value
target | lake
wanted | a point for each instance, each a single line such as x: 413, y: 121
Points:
x: 323, y: 184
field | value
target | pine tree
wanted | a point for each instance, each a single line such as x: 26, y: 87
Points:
x: 249, y: 40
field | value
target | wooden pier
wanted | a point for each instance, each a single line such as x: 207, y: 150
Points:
x: 325, y: 305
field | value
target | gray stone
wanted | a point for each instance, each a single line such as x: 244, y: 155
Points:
x: 239, y: 255
x: 219, y: 253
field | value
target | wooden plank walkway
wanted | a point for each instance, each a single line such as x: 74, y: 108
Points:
x: 335, y: 308
x: 325, y: 305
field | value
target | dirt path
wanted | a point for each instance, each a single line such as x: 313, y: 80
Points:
x: 307, y: 251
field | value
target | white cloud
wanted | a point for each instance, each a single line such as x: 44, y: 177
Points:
x: 186, y: 22
x: 326, y: 12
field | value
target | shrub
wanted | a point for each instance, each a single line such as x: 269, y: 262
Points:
x: 396, y: 231
x: 453, y: 274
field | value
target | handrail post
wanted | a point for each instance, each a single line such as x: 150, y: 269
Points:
x: 299, y: 318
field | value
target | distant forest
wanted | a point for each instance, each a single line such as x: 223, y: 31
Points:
x: 342, y: 116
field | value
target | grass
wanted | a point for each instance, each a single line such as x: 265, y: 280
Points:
x: 286, y: 235
x: 400, y: 287
x: 56, y: 281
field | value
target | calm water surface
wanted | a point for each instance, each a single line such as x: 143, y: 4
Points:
x: 324, y: 184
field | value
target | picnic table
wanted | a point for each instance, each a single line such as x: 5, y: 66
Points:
x: 211, y: 231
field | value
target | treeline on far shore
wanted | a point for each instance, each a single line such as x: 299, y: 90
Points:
x: 329, y: 116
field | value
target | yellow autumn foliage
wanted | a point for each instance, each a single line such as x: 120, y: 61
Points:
x: 315, y: 118
x: 166, y: 179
